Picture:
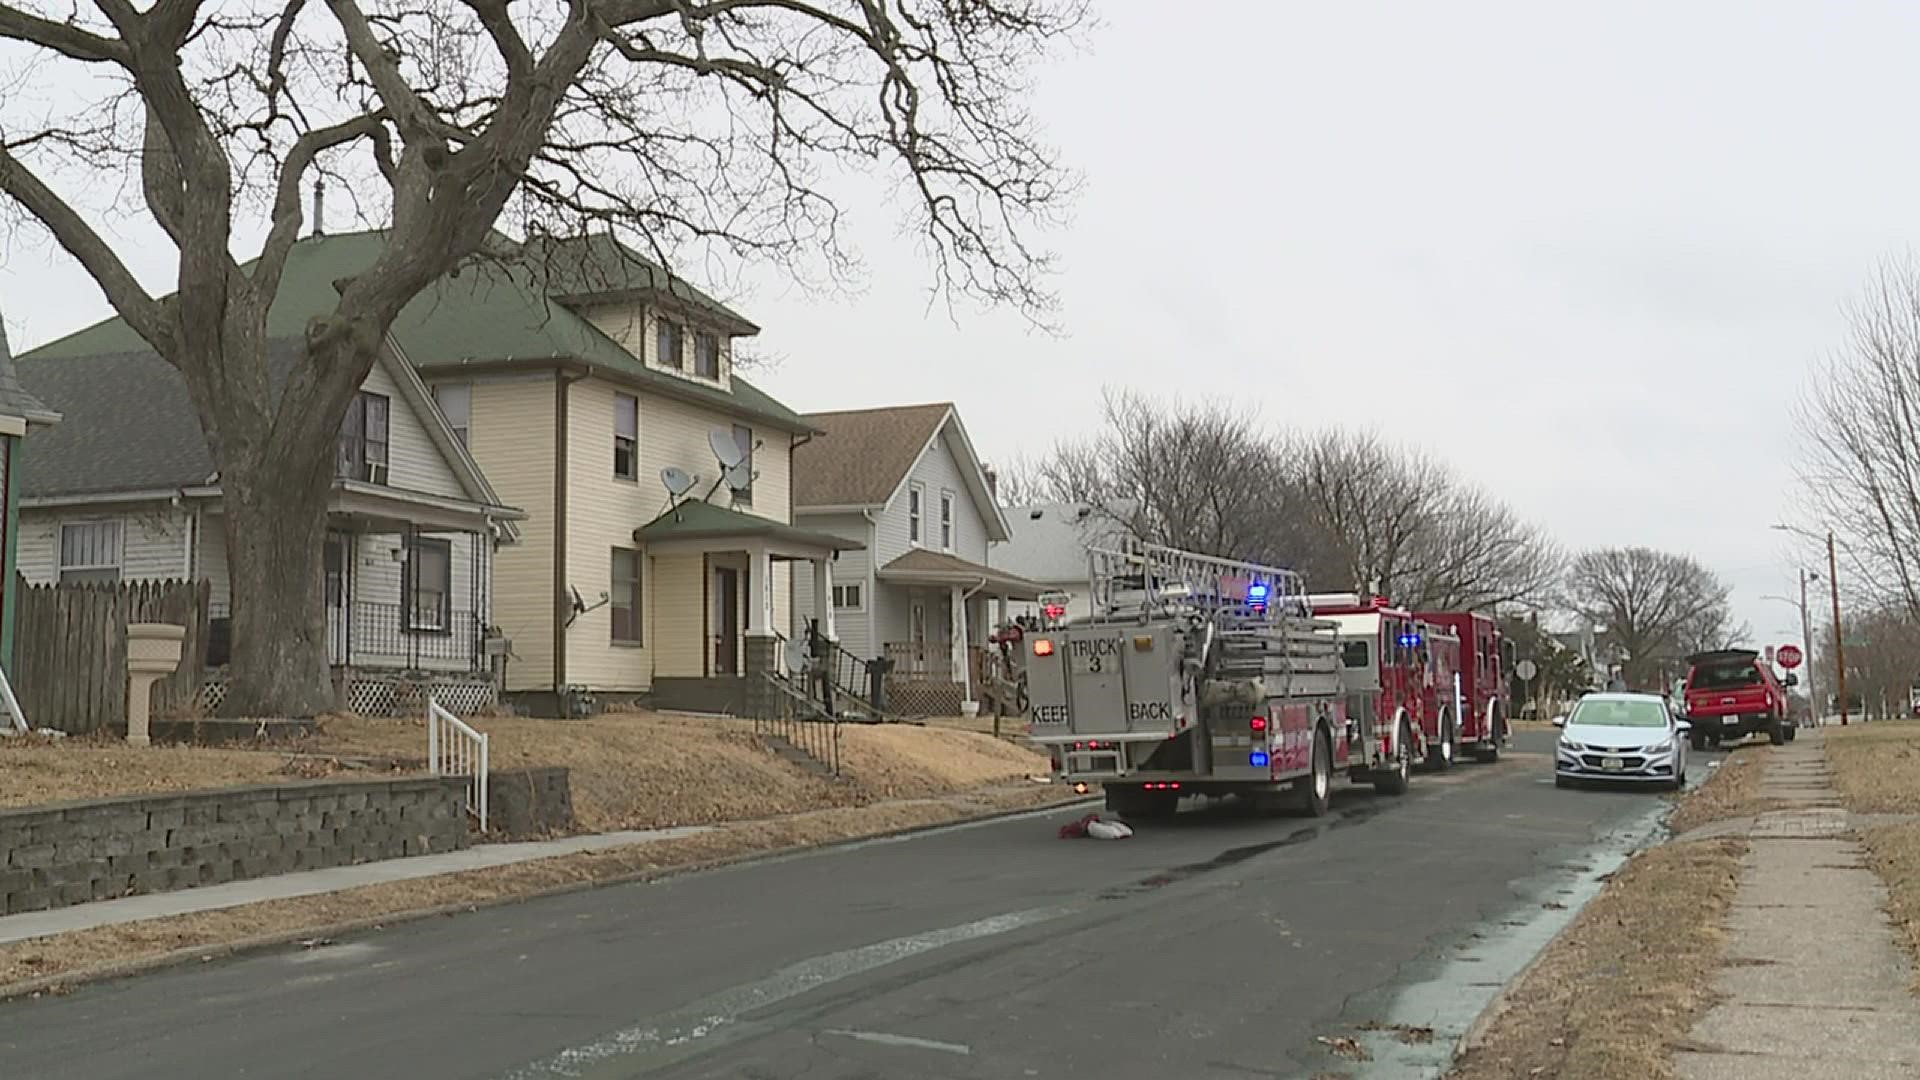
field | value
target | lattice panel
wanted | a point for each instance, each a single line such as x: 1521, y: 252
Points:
x: 387, y: 696
x: 922, y: 697
x: 213, y: 694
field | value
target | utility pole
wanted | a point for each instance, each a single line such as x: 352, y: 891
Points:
x: 1806, y: 642
x: 1839, y: 641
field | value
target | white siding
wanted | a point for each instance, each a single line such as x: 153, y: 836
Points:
x: 676, y: 617
x: 939, y: 471
x: 414, y: 461
x: 602, y: 512
x: 852, y: 568
x: 377, y: 638
x: 153, y: 539
x: 675, y: 433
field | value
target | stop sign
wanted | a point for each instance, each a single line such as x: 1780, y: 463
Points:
x: 1789, y: 656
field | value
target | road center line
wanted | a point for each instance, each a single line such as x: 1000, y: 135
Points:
x: 910, y: 1041
x: 687, y: 1031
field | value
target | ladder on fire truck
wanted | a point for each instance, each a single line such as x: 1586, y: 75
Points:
x: 1259, y: 625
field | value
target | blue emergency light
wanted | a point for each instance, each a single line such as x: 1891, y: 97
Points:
x: 1258, y: 759
x: 1257, y: 596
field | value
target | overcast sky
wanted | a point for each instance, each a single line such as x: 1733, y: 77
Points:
x: 1588, y: 259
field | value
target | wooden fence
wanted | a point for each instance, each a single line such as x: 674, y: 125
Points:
x: 70, y: 650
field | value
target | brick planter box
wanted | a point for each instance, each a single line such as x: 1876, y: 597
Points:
x: 71, y: 853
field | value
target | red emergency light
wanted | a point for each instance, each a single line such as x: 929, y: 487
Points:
x: 1054, y: 611
x: 1258, y: 723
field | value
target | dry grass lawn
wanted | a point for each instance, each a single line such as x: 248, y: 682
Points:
x: 634, y: 770
x: 1876, y: 766
x: 35, y: 771
x: 185, y: 937
x: 1894, y: 853
x: 1732, y: 792
x: 1613, y: 993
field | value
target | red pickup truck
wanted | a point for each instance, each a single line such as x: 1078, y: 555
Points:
x: 1731, y: 694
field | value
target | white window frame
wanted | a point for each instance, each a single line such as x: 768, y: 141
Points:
x: 857, y: 590
x: 631, y: 442
x: 463, y: 392
x: 916, y: 514
x: 118, y: 565
x: 949, y: 527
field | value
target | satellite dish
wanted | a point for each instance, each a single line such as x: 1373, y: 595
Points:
x: 725, y: 449
x: 676, y: 480
x: 740, y: 477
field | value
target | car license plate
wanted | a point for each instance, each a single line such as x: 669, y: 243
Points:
x: 1612, y: 764
x: 1729, y: 721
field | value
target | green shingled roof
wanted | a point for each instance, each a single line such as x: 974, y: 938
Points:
x: 492, y: 312
x: 698, y: 520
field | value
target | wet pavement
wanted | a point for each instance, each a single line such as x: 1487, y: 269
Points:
x: 1223, y: 944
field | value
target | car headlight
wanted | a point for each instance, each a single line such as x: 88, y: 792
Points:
x: 1569, y: 744
x: 1660, y: 747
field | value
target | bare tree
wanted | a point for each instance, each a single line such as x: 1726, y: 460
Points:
x: 1860, y: 428
x: 1655, y: 606
x: 1400, y: 523
x: 674, y: 121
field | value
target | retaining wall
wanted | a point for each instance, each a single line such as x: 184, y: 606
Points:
x: 526, y: 803
x: 72, y: 853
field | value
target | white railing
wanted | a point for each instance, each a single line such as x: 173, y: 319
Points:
x: 454, y: 748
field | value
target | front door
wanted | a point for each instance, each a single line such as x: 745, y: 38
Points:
x: 917, y: 633
x: 726, y: 621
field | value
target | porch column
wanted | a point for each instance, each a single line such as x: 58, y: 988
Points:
x: 823, y: 596
x: 759, y: 605
x: 957, y: 633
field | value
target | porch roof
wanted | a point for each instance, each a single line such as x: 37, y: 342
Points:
x: 924, y: 567
x: 697, y: 520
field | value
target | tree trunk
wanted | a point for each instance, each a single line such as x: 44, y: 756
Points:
x: 276, y: 527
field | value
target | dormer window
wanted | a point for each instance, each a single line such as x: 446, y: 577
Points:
x: 670, y: 337
x: 706, y: 355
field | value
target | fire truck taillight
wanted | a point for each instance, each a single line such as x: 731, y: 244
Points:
x: 1143, y: 643
x: 1258, y: 723
x: 1042, y: 647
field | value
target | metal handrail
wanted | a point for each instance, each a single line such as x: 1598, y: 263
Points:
x: 461, y: 751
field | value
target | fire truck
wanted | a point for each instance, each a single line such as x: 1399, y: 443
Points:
x: 1407, y: 667
x: 1483, y: 709
x: 1195, y: 675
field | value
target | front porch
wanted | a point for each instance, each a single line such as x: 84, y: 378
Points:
x: 407, y: 581
x: 722, y: 613
x: 934, y: 613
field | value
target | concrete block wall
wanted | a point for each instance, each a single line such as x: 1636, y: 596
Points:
x: 527, y: 803
x: 73, y: 853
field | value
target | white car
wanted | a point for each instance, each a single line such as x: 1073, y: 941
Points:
x: 1625, y: 737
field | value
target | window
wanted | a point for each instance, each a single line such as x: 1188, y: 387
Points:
x: 626, y: 437
x: 363, y: 440
x: 846, y: 597
x: 456, y: 404
x: 946, y: 521
x: 89, y: 552
x: 669, y: 343
x: 427, y: 585
x: 624, y: 599
x: 743, y: 438
x: 1354, y: 653
x: 706, y: 355
x: 916, y: 495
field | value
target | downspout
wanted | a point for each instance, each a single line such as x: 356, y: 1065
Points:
x: 562, y: 605
x: 9, y: 533
x: 966, y: 667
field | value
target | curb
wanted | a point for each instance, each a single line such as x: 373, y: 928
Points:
x: 262, y: 942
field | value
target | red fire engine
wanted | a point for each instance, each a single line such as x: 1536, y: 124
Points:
x: 1483, y: 692
x: 1399, y: 666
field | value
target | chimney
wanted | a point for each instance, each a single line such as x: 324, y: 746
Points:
x: 320, y: 206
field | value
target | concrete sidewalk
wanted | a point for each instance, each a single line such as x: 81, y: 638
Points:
x: 1814, y: 984
x: 35, y: 924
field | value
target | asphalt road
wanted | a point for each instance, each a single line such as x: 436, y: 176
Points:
x: 1219, y: 945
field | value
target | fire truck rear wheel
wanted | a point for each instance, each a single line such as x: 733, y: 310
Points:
x: 1440, y: 754
x: 1316, y: 788
x: 1395, y: 779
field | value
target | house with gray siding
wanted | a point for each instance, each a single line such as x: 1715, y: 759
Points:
x: 906, y: 484
x: 125, y: 490
x: 1049, y: 546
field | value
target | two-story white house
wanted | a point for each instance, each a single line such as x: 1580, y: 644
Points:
x: 125, y: 490
x: 906, y: 485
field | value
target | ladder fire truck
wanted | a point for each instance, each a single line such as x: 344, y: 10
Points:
x: 1195, y: 675
x: 1402, y: 665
